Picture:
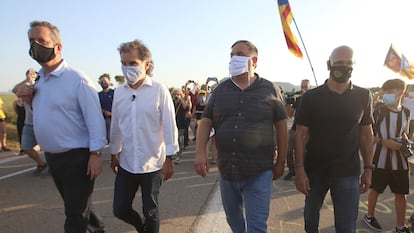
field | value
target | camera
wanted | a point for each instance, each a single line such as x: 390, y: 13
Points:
x: 406, y: 147
x: 212, y: 79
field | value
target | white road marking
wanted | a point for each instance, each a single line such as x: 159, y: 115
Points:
x: 17, y: 173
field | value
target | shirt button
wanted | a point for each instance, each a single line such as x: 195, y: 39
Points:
x: 233, y: 166
x: 239, y: 114
x: 235, y: 126
x: 241, y: 101
x: 234, y: 140
x: 234, y: 153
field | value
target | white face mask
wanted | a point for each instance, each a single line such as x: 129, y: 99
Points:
x: 238, y: 65
x: 131, y: 73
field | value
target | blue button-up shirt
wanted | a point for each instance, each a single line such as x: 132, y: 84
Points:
x: 66, y: 111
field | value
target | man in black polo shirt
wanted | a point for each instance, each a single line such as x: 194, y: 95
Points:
x: 333, y: 122
x: 244, y: 112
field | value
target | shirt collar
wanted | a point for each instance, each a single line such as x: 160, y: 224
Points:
x: 350, y: 87
x: 55, y: 73
x: 147, y: 82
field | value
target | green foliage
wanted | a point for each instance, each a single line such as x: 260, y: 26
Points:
x: 8, y: 100
x: 120, y: 79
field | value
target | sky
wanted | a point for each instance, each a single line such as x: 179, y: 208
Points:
x: 191, y: 39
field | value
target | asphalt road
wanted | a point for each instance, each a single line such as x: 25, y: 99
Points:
x: 188, y: 203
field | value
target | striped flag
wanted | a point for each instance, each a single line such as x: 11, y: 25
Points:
x: 407, y: 68
x: 393, y: 60
x: 286, y: 16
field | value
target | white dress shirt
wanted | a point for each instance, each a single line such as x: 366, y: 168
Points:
x: 143, y: 128
x: 66, y: 111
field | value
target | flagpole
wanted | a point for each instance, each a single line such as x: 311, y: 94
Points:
x: 306, y: 51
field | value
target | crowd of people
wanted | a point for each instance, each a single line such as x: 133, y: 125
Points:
x: 242, y: 120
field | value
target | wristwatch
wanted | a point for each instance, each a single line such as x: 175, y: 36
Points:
x: 371, y: 166
x: 97, y: 153
x: 172, y: 157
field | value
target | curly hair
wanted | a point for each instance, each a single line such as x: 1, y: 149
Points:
x: 144, y: 53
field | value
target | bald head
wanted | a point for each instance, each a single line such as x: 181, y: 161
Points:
x: 341, y: 63
x: 342, y: 55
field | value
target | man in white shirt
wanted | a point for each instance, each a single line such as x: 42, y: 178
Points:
x: 143, y: 138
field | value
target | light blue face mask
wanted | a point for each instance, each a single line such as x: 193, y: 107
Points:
x: 131, y: 73
x: 389, y: 99
x: 202, y: 99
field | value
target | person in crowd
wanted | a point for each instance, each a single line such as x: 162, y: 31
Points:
x: 31, y: 75
x: 143, y: 138
x: 190, y: 95
x: 246, y: 112
x: 199, y: 107
x: 20, y: 114
x: 292, y: 103
x: 105, y: 98
x: 211, y: 84
x: 68, y: 125
x: 408, y: 102
x: 182, y: 105
x: 29, y: 141
x: 392, y: 122
x: 377, y: 99
x: 193, y: 94
x: 333, y: 125
x: 197, y: 113
x: 3, y: 128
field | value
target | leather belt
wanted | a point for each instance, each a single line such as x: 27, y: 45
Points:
x: 69, y: 152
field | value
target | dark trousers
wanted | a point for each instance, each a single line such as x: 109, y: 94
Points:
x: 75, y: 187
x: 290, y: 157
x: 187, y: 124
x: 126, y: 186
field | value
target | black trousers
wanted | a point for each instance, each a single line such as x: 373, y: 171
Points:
x: 75, y: 187
x: 126, y: 186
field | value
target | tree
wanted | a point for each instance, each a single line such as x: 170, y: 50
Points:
x: 120, y: 79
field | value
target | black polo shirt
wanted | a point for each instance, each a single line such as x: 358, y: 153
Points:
x: 334, y: 122
x: 243, y: 121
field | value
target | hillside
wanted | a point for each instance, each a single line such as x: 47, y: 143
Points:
x: 288, y: 87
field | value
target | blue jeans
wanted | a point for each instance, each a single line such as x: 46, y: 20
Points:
x: 252, y: 194
x: 345, y: 199
x: 126, y: 186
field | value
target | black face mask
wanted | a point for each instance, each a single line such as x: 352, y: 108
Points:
x: 341, y: 74
x: 41, y: 53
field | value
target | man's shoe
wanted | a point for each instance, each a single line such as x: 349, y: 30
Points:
x: 5, y: 148
x: 403, y: 230
x: 289, y: 176
x: 373, y: 223
x: 39, y: 169
x: 177, y: 160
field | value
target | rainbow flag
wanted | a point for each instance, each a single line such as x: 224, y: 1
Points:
x: 286, y: 16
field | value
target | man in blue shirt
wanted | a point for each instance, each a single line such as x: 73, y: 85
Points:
x: 68, y: 125
x: 106, y: 97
